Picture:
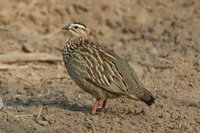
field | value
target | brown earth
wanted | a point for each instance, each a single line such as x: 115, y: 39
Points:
x: 160, y: 39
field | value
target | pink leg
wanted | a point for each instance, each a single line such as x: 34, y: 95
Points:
x: 103, y: 109
x: 94, y: 108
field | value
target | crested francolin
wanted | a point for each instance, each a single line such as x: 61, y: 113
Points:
x: 98, y: 70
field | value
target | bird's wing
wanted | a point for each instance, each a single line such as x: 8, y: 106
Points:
x: 102, y: 70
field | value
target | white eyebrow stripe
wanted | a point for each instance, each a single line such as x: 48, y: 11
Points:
x: 79, y: 25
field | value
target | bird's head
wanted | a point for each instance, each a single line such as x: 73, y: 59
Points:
x: 76, y: 29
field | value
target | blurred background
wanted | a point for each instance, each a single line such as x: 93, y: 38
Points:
x: 160, y: 39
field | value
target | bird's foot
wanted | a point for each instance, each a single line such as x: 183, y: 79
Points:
x: 94, y: 108
x: 103, y: 109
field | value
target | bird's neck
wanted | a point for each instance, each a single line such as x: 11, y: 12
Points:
x: 75, y: 42
x: 79, y: 40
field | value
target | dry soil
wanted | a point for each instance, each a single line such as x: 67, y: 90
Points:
x: 160, y: 39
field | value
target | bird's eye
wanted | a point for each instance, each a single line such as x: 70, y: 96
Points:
x: 76, y: 27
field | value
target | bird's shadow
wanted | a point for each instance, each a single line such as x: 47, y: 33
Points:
x: 64, y: 103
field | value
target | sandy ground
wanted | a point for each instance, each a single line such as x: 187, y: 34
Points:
x: 160, y: 39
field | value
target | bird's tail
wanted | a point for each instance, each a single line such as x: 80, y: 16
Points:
x: 144, y: 95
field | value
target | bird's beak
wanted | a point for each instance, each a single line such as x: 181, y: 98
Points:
x: 66, y: 27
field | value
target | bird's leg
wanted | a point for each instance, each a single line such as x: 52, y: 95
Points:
x: 94, y: 108
x: 103, y: 109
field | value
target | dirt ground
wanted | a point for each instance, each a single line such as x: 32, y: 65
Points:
x: 160, y: 39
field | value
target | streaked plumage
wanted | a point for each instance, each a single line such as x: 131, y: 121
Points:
x: 98, y: 70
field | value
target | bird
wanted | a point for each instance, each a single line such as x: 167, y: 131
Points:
x: 100, y: 71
